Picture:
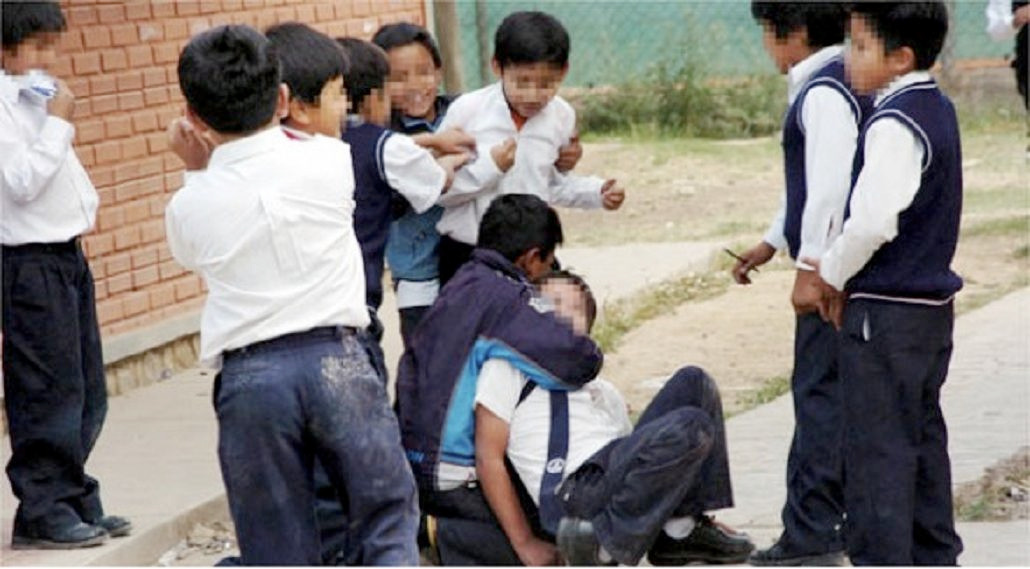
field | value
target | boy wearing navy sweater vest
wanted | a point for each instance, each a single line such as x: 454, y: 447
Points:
x: 893, y: 263
x: 820, y: 131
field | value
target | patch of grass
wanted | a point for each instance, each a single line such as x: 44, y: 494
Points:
x: 768, y: 391
x: 1009, y: 225
x: 999, y: 494
x: 624, y: 315
x: 969, y: 302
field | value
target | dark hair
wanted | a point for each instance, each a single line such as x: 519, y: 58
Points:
x: 531, y: 37
x: 825, y: 22
x: 22, y: 20
x: 516, y: 223
x: 406, y: 33
x: 921, y: 26
x: 368, y: 69
x: 308, y: 59
x: 229, y: 76
x: 562, y: 275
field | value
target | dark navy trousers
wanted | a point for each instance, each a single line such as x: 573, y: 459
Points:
x: 894, y: 360
x: 813, y: 513
x: 55, y: 395
x: 284, y: 402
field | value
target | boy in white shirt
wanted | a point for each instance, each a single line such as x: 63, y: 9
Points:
x: 54, y: 388
x: 619, y: 491
x: 268, y: 224
x: 520, y: 126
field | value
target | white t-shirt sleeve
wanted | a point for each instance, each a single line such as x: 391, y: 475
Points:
x: 999, y: 19
x: 412, y: 171
x: 498, y: 388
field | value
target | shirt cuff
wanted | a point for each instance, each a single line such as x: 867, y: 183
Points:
x: 807, y: 251
x: 776, y: 239
x: 830, y: 271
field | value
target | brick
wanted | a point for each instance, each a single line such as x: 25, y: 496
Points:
x: 232, y: 5
x: 136, y: 303
x: 187, y: 287
x: 119, y: 283
x: 176, y: 29
x: 305, y: 13
x: 144, y: 121
x: 118, y: 126
x: 157, y: 142
x: 114, y: 59
x: 104, y: 104
x: 86, y: 155
x: 126, y: 171
x: 163, y: 252
x: 144, y: 277
x: 99, y: 290
x: 153, y: 76
x: 187, y: 7
x: 166, y: 115
x: 109, y: 310
x: 126, y: 238
x: 337, y: 29
x: 324, y: 12
x: 144, y: 258
x: 130, y: 81
x: 100, y: 244
x: 360, y: 8
x: 96, y: 263
x: 137, y: 10
x: 86, y: 63
x: 155, y: 96
x: 111, y: 13
x: 166, y: 52
x: 117, y: 264
x: 124, y: 34
x: 172, y: 162
x: 71, y: 40
x: 81, y: 15
x: 173, y: 181
x: 199, y: 26
x: 102, y: 84
x: 139, y: 56
x: 250, y: 5
x: 95, y: 37
x: 285, y: 14
x: 170, y: 270
x: 103, y: 176
x: 130, y: 101
x: 163, y: 9
x: 81, y: 111
x: 89, y: 131
x: 109, y: 218
x: 107, y: 152
x: 151, y: 167
x: 153, y: 231
x: 79, y: 86
x: 134, y: 147
x: 162, y: 295
x: 151, y: 31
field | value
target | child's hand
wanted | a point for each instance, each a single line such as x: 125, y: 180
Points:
x: 504, y: 154
x: 612, y: 195
x: 536, y: 552
x: 450, y: 164
x: 193, y: 147
x: 750, y: 259
x: 831, y: 302
x: 569, y: 155
x: 62, y: 104
x: 807, y: 294
x: 1021, y: 17
x: 453, y: 141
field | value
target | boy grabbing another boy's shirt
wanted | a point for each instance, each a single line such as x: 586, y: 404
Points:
x: 519, y: 125
x: 893, y: 262
x: 820, y: 131
x: 268, y: 224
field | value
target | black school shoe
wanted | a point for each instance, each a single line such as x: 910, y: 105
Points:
x: 780, y: 555
x: 709, y: 543
x: 75, y: 536
x: 578, y: 543
x: 115, y: 526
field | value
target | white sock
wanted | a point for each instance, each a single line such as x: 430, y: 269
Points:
x: 679, y: 528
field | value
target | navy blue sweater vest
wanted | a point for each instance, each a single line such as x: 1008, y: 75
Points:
x: 373, y: 199
x: 830, y: 75
x: 917, y: 262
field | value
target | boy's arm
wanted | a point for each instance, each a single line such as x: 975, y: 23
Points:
x: 886, y: 186
x: 570, y: 190
x: 1000, y: 20
x: 27, y: 166
x: 177, y: 245
x: 412, y: 171
x: 480, y: 176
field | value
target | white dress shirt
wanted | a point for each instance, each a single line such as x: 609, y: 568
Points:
x: 831, y: 134
x: 891, y: 174
x: 485, y: 115
x: 413, y: 172
x: 269, y: 225
x: 999, y: 19
x: 45, y: 194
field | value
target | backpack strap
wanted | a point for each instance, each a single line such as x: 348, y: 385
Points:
x: 554, y: 469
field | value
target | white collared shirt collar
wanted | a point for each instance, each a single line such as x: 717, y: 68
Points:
x: 247, y: 146
x: 899, y: 83
x: 799, y: 74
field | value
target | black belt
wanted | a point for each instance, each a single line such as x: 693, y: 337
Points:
x: 70, y: 246
x: 286, y: 340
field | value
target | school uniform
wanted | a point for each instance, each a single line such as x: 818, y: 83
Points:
x: 999, y: 26
x: 412, y: 250
x: 269, y: 225
x: 893, y: 258
x: 820, y: 131
x: 54, y: 390
x: 486, y: 116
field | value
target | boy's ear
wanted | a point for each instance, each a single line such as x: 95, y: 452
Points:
x: 197, y: 122
x: 901, y: 60
x: 496, y: 67
x: 282, y: 103
x: 525, y: 260
x: 295, y: 111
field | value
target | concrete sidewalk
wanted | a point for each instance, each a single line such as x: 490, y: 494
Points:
x: 986, y: 403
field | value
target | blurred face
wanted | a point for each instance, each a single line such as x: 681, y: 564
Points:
x: 528, y: 87
x: 326, y: 117
x: 785, y: 52
x: 414, y: 81
x: 868, y: 67
x: 375, y: 108
x: 38, y: 51
x: 569, y: 300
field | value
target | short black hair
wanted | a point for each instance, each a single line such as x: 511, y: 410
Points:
x: 401, y: 34
x: 921, y: 26
x: 516, y: 223
x: 590, y: 302
x: 22, y: 20
x: 531, y: 37
x: 308, y: 59
x: 368, y: 69
x: 229, y: 76
x: 825, y: 22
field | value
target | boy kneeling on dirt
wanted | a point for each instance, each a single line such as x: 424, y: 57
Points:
x: 609, y: 492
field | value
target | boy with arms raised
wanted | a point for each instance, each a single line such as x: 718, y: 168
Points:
x: 893, y: 263
x: 268, y: 224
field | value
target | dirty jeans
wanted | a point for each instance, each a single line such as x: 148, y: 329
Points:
x: 282, y: 403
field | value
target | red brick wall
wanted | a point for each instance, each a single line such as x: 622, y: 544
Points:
x: 119, y: 60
